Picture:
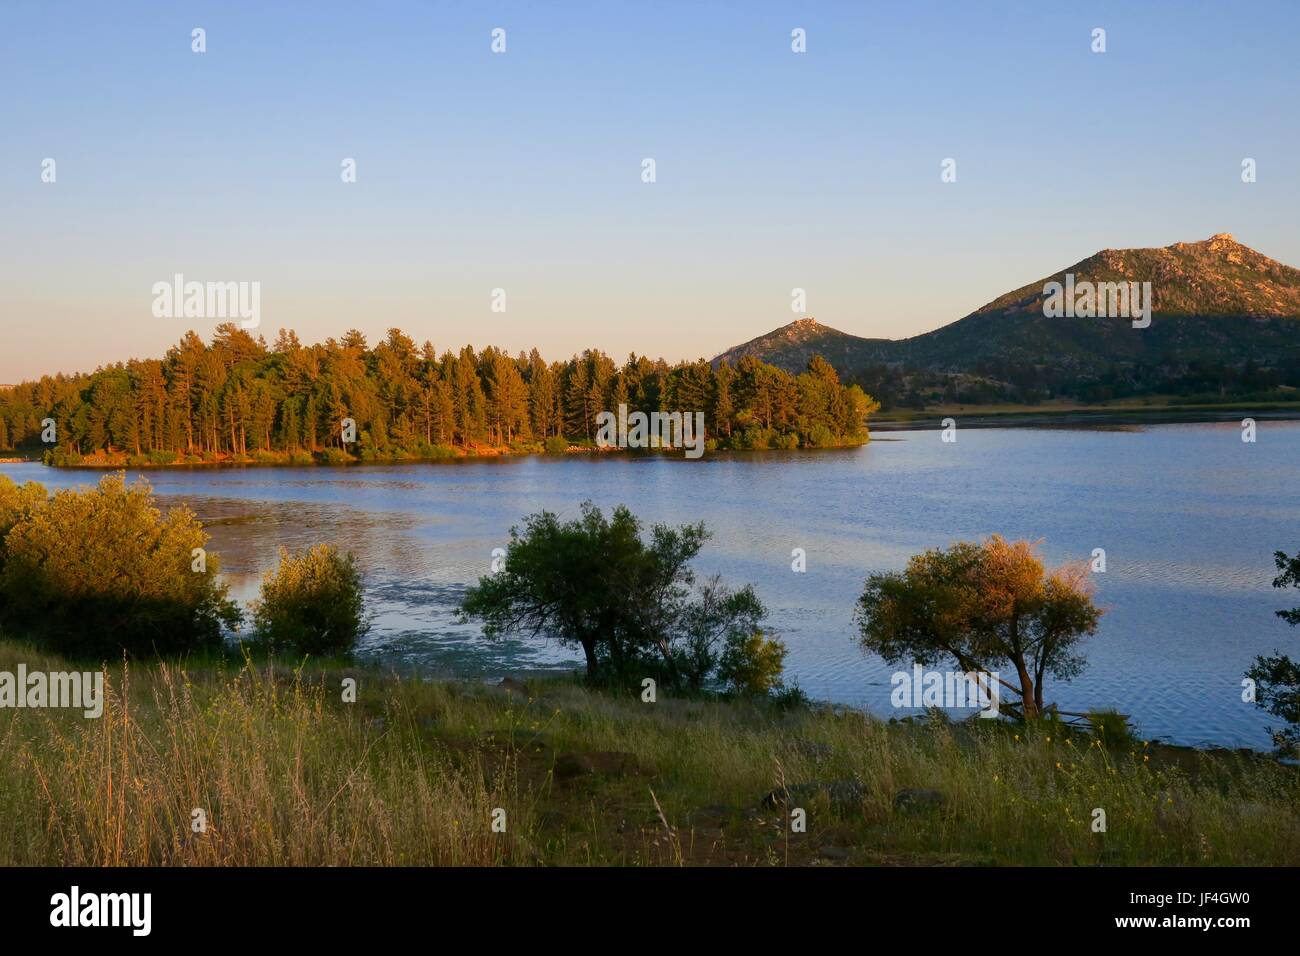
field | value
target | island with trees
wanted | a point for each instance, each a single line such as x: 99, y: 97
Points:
x: 236, y: 400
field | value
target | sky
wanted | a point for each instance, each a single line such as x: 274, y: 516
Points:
x: 523, y: 170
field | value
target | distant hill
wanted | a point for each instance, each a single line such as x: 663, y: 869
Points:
x: 1220, y: 309
x: 791, y: 346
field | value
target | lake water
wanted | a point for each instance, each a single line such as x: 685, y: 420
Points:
x: 1189, y: 517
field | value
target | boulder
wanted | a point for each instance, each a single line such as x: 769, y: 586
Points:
x: 510, y: 685
x: 918, y: 801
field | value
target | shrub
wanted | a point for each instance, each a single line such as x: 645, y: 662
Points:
x: 821, y: 437
x: 17, y: 501
x: 62, y: 456
x: 751, y: 664
x: 100, y: 571
x: 313, y: 603
x: 790, y: 697
x: 335, y: 456
x: 435, y: 452
x: 1112, y: 729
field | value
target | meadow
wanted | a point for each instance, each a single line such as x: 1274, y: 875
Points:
x: 550, y: 772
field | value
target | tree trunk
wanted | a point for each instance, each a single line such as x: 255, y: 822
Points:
x: 1030, y: 698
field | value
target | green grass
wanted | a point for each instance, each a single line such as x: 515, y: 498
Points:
x: 411, y: 773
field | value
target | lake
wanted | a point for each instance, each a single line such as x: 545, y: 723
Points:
x: 1189, y: 517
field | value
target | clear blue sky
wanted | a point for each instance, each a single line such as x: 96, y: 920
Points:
x: 522, y: 170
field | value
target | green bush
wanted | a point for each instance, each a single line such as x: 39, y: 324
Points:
x: 1112, y: 729
x: 100, y: 571
x: 751, y: 664
x: 556, y: 445
x: 821, y: 437
x: 313, y: 603
x: 61, y: 457
x: 435, y: 452
x: 335, y: 456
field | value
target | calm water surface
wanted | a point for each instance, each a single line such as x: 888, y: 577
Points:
x: 1189, y: 516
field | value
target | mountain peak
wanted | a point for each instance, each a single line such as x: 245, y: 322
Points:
x: 793, y: 344
x: 1219, y: 242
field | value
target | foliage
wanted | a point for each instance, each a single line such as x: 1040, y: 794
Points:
x: 1277, y: 676
x: 751, y: 664
x: 629, y: 602
x: 1112, y: 729
x: 237, y: 398
x: 982, y: 605
x: 101, y: 571
x: 313, y: 603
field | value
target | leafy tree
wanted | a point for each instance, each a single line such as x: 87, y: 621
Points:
x: 313, y: 603
x: 627, y: 600
x: 1277, y: 676
x: 982, y: 605
x: 102, y: 571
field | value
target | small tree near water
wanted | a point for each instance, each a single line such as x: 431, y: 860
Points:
x: 313, y: 603
x: 988, y: 606
x: 628, y: 601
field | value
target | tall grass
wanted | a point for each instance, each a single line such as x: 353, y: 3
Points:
x: 289, y: 774
x: 281, y: 776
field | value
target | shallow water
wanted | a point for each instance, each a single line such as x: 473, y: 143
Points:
x: 1189, y: 517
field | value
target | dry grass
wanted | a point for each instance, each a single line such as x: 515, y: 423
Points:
x: 289, y: 774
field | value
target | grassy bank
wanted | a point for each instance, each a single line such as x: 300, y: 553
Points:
x: 287, y: 773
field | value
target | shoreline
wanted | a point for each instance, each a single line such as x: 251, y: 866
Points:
x: 312, y: 459
x: 982, y: 417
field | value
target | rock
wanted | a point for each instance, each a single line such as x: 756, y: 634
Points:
x: 813, y: 749
x: 834, y: 853
x: 845, y: 794
x: 610, y: 763
x: 377, y: 723
x: 510, y: 685
x: 918, y: 801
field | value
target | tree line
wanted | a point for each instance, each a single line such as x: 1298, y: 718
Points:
x: 237, y: 397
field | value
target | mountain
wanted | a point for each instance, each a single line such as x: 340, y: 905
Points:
x: 1218, y: 308
x: 791, y: 346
